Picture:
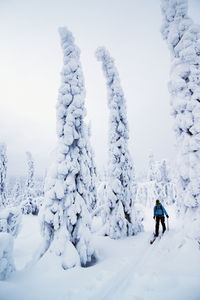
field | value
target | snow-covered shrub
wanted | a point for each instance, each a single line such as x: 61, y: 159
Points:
x: 183, y: 39
x: 3, y: 173
x: 121, y: 219
x: 26, y: 207
x: 66, y: 222
x: 10, y: 219
x: 6, y: 255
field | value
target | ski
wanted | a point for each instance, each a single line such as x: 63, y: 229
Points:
x: 153, y: 240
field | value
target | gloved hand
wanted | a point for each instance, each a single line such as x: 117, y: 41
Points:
x: 167, y: 216
x: 154, y: 217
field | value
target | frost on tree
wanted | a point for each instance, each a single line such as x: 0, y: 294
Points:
x: 3, y: 173
x: 122, y: 217
x: 65, y: 217
x: 29, y: 205
x: 183, y: 39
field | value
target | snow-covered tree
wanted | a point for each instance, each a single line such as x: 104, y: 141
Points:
x: 65, y: 217
x: 160, y: 184
x: 164, y: 172
x: 165, y: 187
x: 29, y: 205
x: 151, y: 167
x: 121, y: 220
x: 6, y: 256
x: 91, y: 196
x: 17, y: 193
x: 31, y: 171
x: 38, y: 192
x: 10, y: 216
x: 17, y: 189
x: 10, y: 220
x: 3, y: 173
x: 183, y: 39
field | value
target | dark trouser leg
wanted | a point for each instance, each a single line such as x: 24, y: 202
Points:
x: 163, y: 223
x: 157, y: 225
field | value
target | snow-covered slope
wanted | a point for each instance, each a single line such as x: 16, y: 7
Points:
x: 127, y: 269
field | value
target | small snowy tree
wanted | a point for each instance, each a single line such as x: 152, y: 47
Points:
x: 17, y: 193
x: 151, y: 168
x: 65, y: 217
x: 164, y: 171
x: 29, y: 205
x: 3, y: 173
x: 164, y: 185
x: 31, y: 170
x: 9, y: 216
x: 10, y: 220
x: 38, y: 192
x: 183, y: 39
x: 160, y: 183
x: 122, y: 218
x: 17, y: 190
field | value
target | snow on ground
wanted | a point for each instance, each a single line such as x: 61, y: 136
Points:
x: 27, y: 242
x: 127, y: 269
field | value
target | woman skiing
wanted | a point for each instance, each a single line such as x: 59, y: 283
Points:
x: 159, y: 212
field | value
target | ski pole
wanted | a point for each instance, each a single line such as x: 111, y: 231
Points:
x: 155, y: 226
x: 167, y: 224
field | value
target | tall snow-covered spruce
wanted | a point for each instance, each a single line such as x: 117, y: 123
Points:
x: 183, y: 39
x: 65, y: 216
x: 122, y: 219
x: 3, y: 173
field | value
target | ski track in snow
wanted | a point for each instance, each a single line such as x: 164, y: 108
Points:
x: 123, y: 277
x: 117, y: 285
x: 151, y: 268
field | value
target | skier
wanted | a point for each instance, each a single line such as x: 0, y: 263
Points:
x: 159, y: 212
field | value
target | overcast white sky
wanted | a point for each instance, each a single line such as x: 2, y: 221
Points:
x: 31, y: 61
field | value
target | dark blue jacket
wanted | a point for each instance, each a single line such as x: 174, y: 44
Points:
x: 159, y: 210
